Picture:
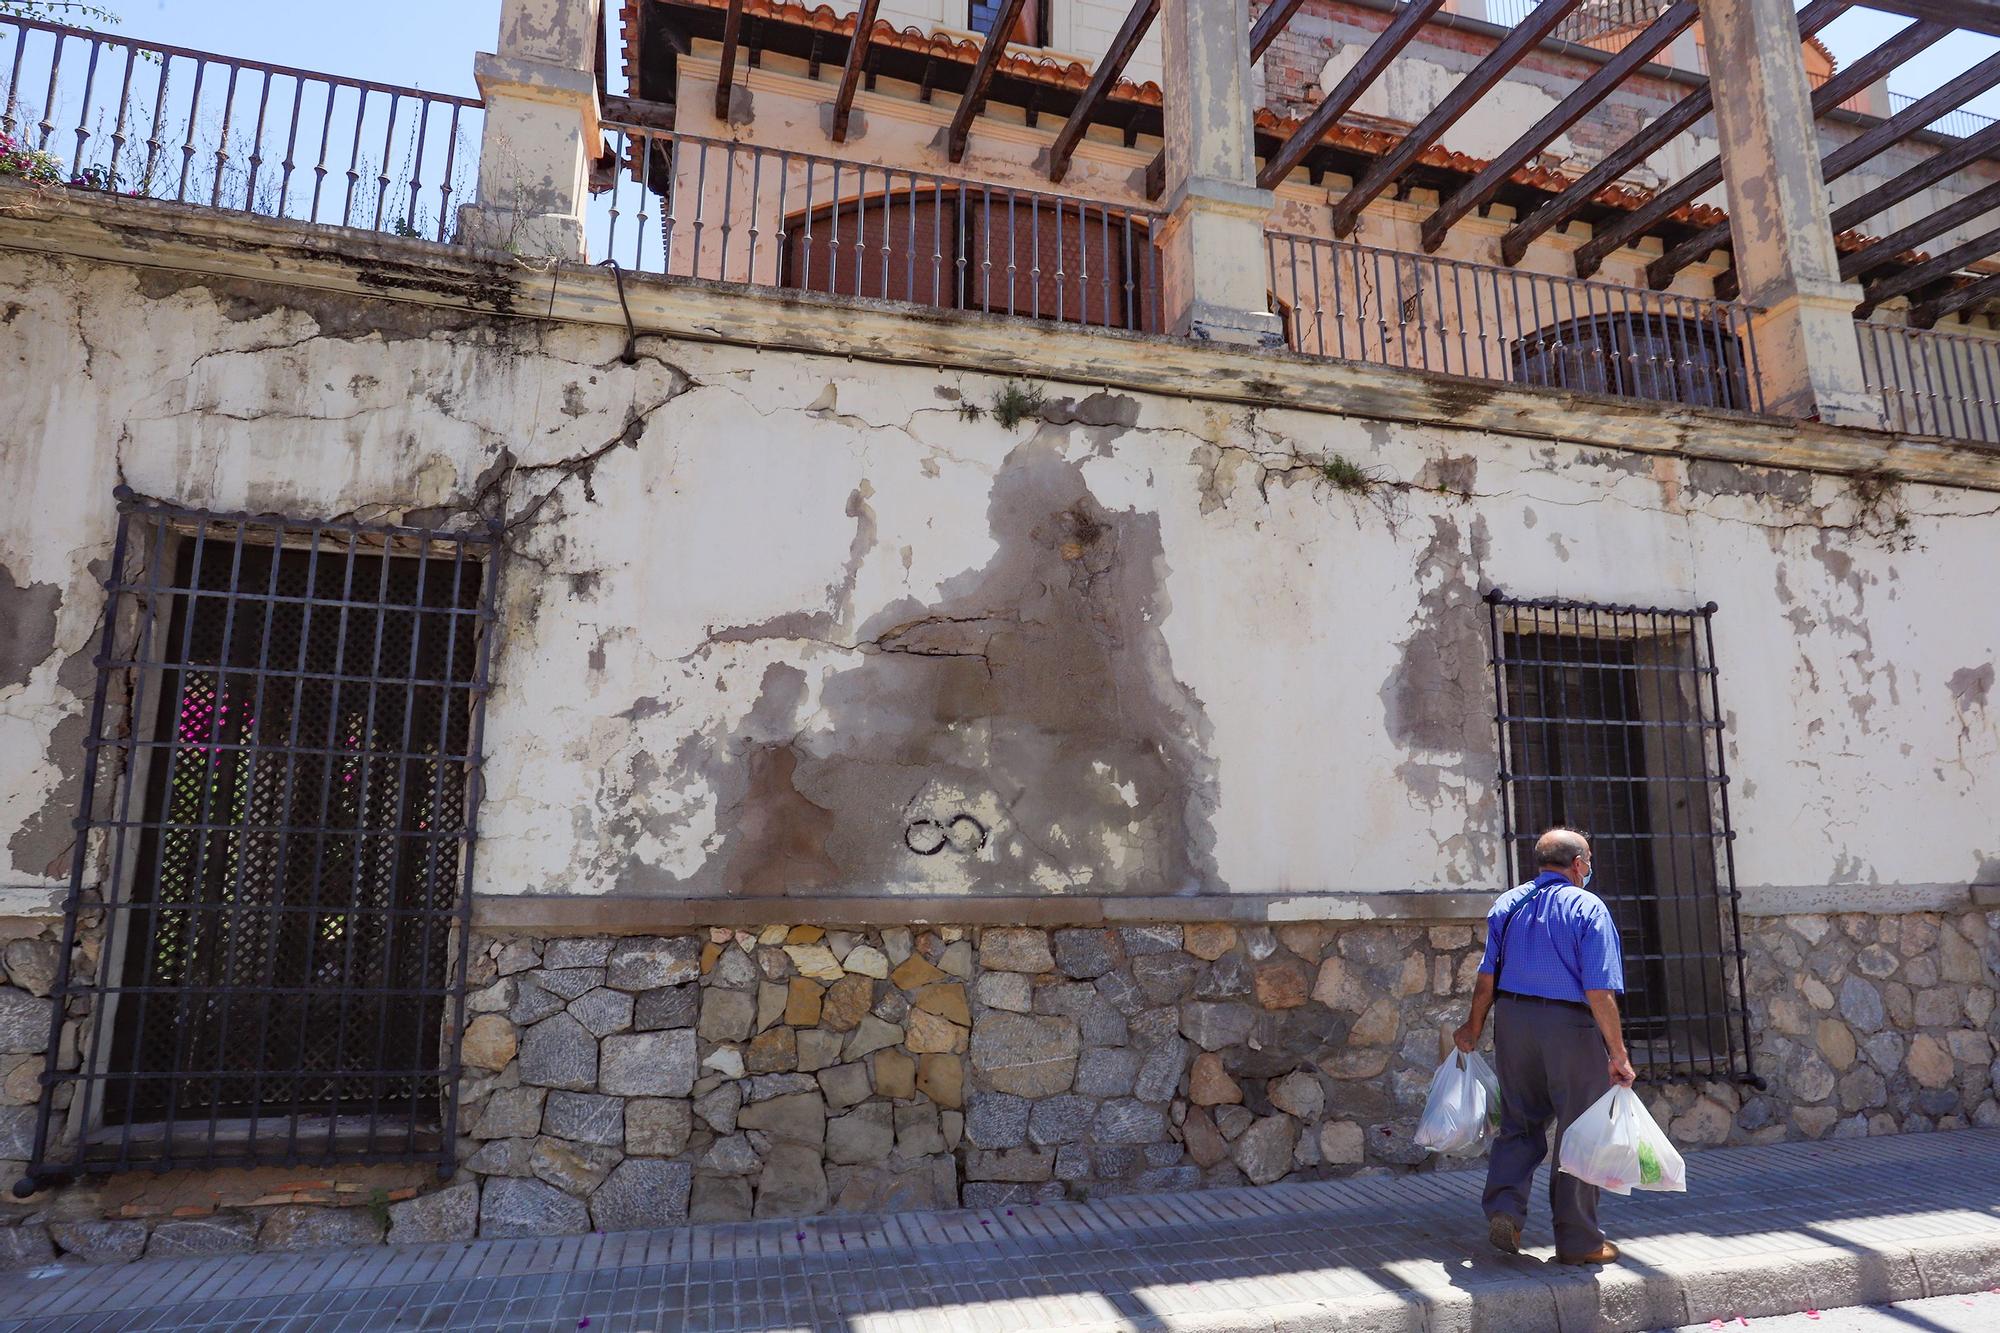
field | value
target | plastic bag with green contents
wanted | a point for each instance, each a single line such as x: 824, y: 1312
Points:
x: 1463, y: 1109
x: 1616, y: 1145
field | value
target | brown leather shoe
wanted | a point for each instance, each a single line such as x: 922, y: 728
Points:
x: 1504, y: 1232
x: 1607, y: 1253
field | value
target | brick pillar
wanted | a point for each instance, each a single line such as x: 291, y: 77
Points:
x: 1214, y: 274
x: 541, y: 130
x: 1808, y: 357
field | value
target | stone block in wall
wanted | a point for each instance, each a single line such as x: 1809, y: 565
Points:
x: 199, y: 1237
x: 303, y: 1227
x: 24, y: 1022
x: 642, y: 1192
x: 509, y: 1207
x: 792, y: 1182
x: 100, y: 1241
x: 449, y: 1214
x: 24, y: 1244
x: 648, y: 1064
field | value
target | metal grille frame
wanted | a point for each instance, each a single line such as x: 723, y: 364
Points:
x: 1609, y: 719
x: 299, y: 871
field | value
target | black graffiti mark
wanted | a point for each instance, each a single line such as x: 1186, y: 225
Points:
x: 928, y: 837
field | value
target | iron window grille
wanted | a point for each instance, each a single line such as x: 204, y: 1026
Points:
x: 1639, y: 354
x: 1609, y: 721
x: 280, y: 849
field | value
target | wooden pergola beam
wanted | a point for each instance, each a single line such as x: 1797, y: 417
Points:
x: 1925, y: 174
x: 1708, y: 175
x: 1389, y: 168
x: 732, y: 33
x: 1392, y: 39
x: 1479, y: 191
x: 1126, y: 41
x: 1844, y: 159
x: 1269, y: 24
x: 1931, y: 270
x: 974, y: 99
x: 1958, y: 298
x: 850, y: 74
x: 1957, y: 213
x: 1972, y: 15
x: 1614, y: 165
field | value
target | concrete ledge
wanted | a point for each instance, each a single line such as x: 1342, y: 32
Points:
x: 646, y: 916
x: 238, y: 246
x: 1868, y: 899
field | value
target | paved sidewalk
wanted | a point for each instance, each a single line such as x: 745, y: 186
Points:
x: 1763, y: 1231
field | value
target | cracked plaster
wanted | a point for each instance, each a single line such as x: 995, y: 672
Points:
x: 762, y: 610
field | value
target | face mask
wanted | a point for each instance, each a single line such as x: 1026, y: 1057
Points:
x: 1588, y: 875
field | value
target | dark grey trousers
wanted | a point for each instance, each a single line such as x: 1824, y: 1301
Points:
x: 1552, y: 1065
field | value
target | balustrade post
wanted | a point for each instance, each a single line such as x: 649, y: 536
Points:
x: 541, y: 130
x: 1808, y: 355
x: 1214, y: 273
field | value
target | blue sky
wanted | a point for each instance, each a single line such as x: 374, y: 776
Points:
x: 430, y: 42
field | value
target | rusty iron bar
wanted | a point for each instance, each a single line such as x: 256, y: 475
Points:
x: 225, y: 132
x: 1485, y: 322
x: 740, y: 213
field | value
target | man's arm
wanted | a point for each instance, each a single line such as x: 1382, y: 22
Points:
x: 1604, y: 1008
x: 1467, y: 1037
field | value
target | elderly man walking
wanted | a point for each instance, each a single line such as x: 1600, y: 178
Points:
x: 1552, y: 976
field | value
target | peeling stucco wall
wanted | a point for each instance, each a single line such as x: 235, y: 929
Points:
x: 781, y: 624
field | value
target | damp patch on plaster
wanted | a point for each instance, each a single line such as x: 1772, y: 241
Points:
x: 1023, y: 730
x: 1437, y: 703
x: 27, y: 626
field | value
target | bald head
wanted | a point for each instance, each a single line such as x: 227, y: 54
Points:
x: 1558, y: 848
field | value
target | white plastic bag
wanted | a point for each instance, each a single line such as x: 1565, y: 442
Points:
x: 1463, y: 1109
x: 1616, y: 1145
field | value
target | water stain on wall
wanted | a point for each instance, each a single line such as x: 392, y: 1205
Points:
x: 1024, y: 732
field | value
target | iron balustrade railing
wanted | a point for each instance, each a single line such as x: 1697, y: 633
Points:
x: 1934, y: 383
x: 1959, y: 123
x: 93, y: 111
x: 726, y: 211
x: 1391, y: 307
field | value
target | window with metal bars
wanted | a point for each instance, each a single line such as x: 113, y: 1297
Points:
x: 1004, y: 254
x: 1638, y: 354
x: 287, y: 848
x: 1609, y: 722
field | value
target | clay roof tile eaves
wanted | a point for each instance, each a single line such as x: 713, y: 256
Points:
x: 1069, y: 74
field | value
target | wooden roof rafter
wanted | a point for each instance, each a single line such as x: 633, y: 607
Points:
x: 850, y: 73
x: 732, y: 34
x: 1616, y: 164
x: 1973, y: 15
x: 1479, y: 191
x: 1919, y: 276
x: 1857, y: 76
x: 1409, y: 20
x: 1123, y: 44
x: 1948, y: 97
x: 1960, y: 211
x: 974, y: 99
x: 1388, y: 169
x: 1927, y: 313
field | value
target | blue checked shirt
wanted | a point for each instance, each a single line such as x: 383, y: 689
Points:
x: 1559, y: 945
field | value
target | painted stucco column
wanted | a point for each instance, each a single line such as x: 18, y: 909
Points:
x: 1808, y: 358
x: 1213, y: 270
x: 541, y: 129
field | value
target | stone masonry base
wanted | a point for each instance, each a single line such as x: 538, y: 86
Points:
x: 632, y: 1082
